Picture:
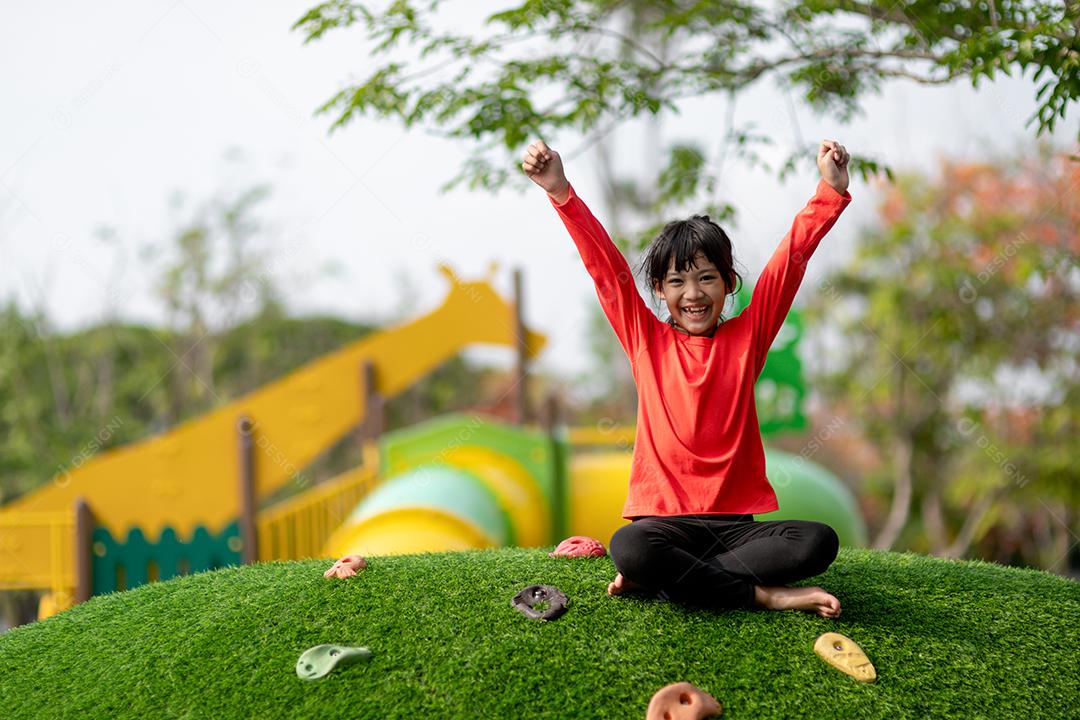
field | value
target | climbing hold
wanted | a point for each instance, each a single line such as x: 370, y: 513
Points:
x: 682, y: 701
x: 346, y: 566
x: 527, y: 600
x: 321, y: 659
x: 579, y: 546
x: 844, y: 655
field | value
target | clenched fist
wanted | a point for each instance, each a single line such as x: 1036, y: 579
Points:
x: 832, y: 161
x: 544, y: 166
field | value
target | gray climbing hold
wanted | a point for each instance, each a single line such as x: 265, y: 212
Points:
x: 527, y: 600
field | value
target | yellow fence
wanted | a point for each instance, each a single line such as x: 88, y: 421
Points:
x: 52, y: 532
x: 299, y: 527
x: 294, y: 529
x: 602, y: 435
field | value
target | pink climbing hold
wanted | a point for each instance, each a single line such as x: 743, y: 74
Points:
x: 579, y: 546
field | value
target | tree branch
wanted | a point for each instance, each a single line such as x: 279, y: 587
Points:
x: 755, y: 70
x: 901, y: 501
x: 630, y: 42
x: 934, y: 519
x: 960, y: 544
x: 893, y: 14
x: 917, y: 78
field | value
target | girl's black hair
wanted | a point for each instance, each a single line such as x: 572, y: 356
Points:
x: 681, y: 240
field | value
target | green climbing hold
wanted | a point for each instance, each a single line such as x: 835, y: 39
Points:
x: 321, y: 659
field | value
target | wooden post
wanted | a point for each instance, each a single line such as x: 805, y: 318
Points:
x: 553, y: 422
x: 84, y: 530
x: 553, y: 412
x: 373, y: 403
x: 521, y: 395
x: 249, y: 552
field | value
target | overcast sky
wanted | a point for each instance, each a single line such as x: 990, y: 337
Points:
x: 110, y: 109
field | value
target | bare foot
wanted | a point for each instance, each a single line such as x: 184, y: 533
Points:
x: 810, y: 599
x: 621, y: 585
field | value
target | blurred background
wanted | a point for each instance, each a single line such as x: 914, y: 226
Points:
x: 197, y: 199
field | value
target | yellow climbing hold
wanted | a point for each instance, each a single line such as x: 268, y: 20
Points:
x: 844, y: 655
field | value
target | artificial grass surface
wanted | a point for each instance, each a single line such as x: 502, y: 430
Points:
x: 948, y: 639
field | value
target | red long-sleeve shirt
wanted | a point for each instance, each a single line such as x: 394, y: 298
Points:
x: 698, y: 447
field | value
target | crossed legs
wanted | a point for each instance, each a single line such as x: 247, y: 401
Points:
x: 726, y: 562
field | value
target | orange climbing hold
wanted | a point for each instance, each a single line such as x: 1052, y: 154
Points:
x: 346, y: 566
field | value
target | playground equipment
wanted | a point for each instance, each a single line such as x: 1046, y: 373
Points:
x: 804, y: 490
x: 187, y: 500
x: 458, y: 482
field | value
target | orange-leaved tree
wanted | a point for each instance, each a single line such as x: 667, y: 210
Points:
x: 960, y: 332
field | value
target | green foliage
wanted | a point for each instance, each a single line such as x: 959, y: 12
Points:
x: 679, y: 180
x: 455, y: 385
x: 643, y: 58
x: 67, y: 397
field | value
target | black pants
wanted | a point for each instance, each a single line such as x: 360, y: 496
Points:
x: 715, y: 561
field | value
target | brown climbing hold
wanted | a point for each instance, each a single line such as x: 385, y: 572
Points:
x: 579, y: 546
x: 682, y: 701
x: 844, y: 655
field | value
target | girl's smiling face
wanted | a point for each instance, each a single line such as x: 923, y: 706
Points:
x: 695, y: 296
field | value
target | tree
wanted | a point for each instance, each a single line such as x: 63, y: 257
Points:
x: 211, y: 279
x: 529, y: 73
x: 968, y: 281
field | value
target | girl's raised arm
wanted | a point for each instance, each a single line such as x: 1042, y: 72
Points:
x: 615, y: 287
x: 779, y: 281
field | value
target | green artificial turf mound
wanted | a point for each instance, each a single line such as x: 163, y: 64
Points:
x: 948, y: 639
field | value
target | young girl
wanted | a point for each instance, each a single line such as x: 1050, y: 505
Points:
x: 698, y: 471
